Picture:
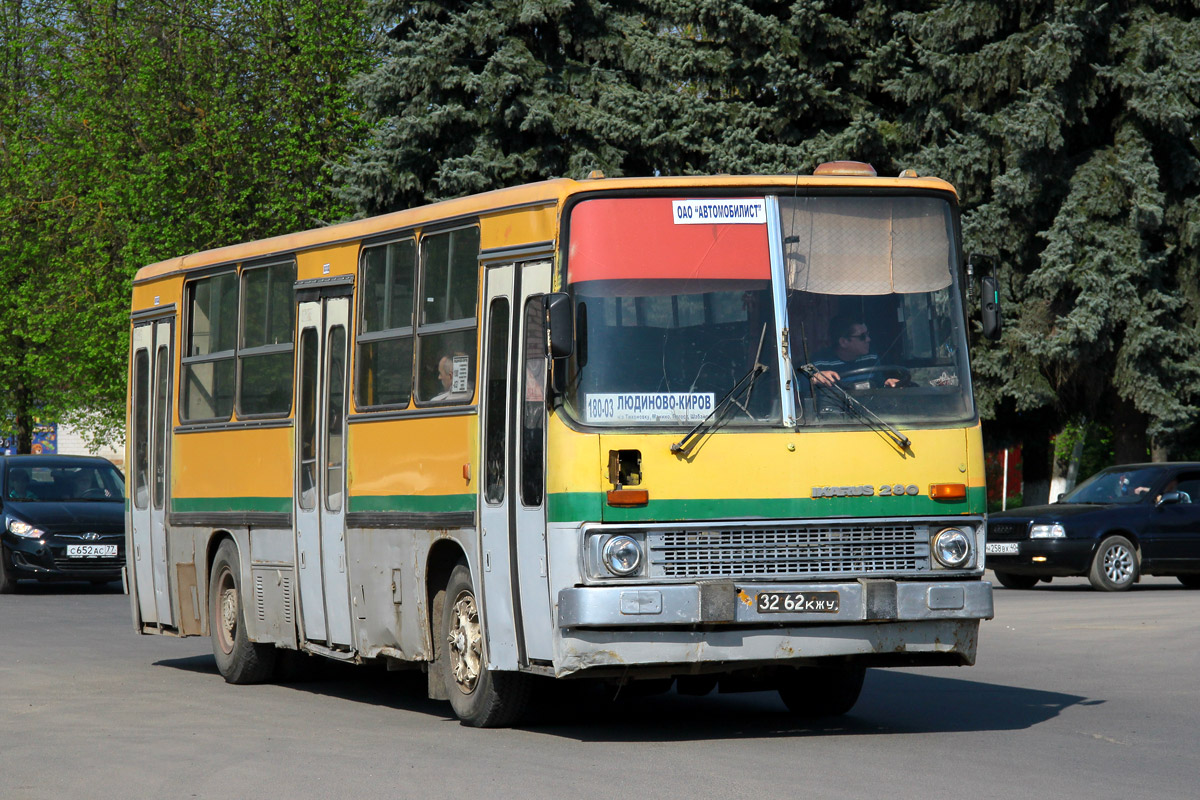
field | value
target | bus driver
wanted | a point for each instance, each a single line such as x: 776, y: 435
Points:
x: 851, y: 350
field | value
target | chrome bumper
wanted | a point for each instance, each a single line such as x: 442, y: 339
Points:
x: 715, y: 602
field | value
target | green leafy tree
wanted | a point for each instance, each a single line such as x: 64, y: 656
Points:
x: 142, y: 129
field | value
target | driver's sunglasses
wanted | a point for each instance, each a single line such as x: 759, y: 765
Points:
x: 863, y: 335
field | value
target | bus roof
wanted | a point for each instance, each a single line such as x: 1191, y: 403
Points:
x: 531, y: 194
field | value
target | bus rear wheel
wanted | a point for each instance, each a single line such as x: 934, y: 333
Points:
x: 239, y: 660
x: 816, y: 692
x: 480, y: 697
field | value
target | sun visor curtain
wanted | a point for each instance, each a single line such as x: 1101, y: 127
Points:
x: 866, y: 245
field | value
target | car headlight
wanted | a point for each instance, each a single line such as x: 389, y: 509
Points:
x: 1053, y: 530
x: 952, y: 548
x: 22, y: 528
x: 622, y: 555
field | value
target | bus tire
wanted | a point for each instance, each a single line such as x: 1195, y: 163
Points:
x: 480, y: 697
x: 239, y: 660
x: 816, y: 692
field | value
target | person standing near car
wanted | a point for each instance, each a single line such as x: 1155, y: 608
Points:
x: 850, y: 350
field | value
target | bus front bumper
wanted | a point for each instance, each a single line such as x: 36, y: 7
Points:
x: 716, y: 602
x: 644, y: 631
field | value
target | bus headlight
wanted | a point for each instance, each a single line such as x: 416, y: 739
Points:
x: 952, y: 548
x: 622, y: 555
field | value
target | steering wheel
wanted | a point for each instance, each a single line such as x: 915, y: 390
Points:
x: 93, y: 493
x: 874, y: 376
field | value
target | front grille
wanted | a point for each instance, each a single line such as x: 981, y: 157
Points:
x: 90, y: 564
x: 1006, y: 531
x: 795, y: 551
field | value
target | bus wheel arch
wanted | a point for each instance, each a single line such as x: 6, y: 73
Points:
x: 440, y: 562
x: 239, y: 660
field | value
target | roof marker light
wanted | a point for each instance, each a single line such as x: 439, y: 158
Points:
x: 845, y: 168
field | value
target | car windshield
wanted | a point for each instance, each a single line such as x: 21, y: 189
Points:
x: 63, y: 483
x: 1117, y: 485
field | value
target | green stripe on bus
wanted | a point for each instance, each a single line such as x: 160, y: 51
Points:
x: 576, y: 506
x: 412, y: 503
x: 191, y: 505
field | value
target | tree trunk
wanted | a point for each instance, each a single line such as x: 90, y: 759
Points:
x: 24, y: 420
x: 1130, y: 443
x: 1036, y: 455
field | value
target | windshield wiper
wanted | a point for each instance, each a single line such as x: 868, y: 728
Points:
x: 857, y: 408
x: 704, y: 426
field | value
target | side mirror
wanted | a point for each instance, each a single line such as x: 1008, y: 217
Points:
x: 1169, y: 498
x: 561, y: 320
x: 989, y: 291
x: 1061, y: 495
x: 984, y: 268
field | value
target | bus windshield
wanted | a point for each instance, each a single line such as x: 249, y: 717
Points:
x: 675, y: 305
x: 671, y: 315
x: 874, y: 309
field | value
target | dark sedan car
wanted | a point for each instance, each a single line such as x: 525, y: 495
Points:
x: 1119, y: 524
x: 64, y: 519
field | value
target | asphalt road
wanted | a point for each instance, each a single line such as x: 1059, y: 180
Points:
x: 1076, y: 694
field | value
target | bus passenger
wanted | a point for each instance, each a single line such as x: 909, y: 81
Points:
x: 446, y: 377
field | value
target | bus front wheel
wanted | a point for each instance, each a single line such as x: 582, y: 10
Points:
x: 815, y: 692
x: 239, y: 660
x: 480, y: 697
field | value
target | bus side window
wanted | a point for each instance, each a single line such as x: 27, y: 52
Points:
x: 533, y: 404
x: 446, y: 322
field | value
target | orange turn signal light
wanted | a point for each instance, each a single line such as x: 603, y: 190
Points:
x: 947, y: 491
x: 628, y: 497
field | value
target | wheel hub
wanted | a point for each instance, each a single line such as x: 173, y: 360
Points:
x: 1118, y: 564
x: 465, y: 643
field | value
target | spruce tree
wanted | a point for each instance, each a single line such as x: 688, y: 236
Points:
x: 1069, y: 129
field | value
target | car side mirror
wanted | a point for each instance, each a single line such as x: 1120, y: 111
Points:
x: 561, y: 322
x: 1061, y: 495
x: 1169, y: 498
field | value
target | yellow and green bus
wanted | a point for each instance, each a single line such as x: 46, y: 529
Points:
x: 712, y: 429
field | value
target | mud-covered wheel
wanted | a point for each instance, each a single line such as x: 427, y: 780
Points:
x: 8, y: 583
x: 239, y: 660
x: 816, y: 692
x: 1115, y: 567
x: 480, y: 697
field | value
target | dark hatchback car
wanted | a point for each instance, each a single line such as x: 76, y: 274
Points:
x: 64, y: 519
x: 1119, y: 524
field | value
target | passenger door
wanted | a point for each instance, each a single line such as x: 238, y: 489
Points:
x: 320, y: 484
x: 150, y: 479
x: 512, y: 504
